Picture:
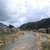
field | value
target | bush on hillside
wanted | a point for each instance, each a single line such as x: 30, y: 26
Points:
x: 11, y: 26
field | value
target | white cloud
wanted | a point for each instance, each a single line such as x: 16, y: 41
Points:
x: 16, y: 24
x: 18, y: 5
x: 32, y: 3
x: 21, y: 6
x: 22, y: 20
x: 43, y: 3
x: 43, y: 16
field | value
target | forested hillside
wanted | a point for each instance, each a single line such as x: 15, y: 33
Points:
x: 36, y: 25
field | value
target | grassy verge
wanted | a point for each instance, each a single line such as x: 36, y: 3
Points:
x: 45, y: 45
x: 10, y: 37
x: 42, y: 41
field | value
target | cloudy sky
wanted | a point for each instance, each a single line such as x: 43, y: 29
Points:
x: 18, y: 12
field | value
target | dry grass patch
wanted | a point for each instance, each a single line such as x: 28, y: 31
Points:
x: 42, y: 41
x: 6, y: 38
x: 45, y: 45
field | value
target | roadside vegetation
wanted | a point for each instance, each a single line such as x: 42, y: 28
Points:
x: 45, y: 45
x: 10, y: 37
x: 42, y: 41
x: 41, y: 30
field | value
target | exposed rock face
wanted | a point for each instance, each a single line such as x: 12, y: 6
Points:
x: 14, y: 30
x: 5, y: 28
x: 42, y: 30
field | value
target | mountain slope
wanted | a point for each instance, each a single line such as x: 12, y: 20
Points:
x: 36, y: 25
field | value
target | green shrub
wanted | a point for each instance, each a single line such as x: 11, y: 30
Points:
x: 11, y: 26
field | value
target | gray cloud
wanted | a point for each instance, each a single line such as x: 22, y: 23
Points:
x: 4, y: 12
x: 16, y: 18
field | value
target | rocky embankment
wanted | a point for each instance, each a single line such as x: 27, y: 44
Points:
x: 6, y: 29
